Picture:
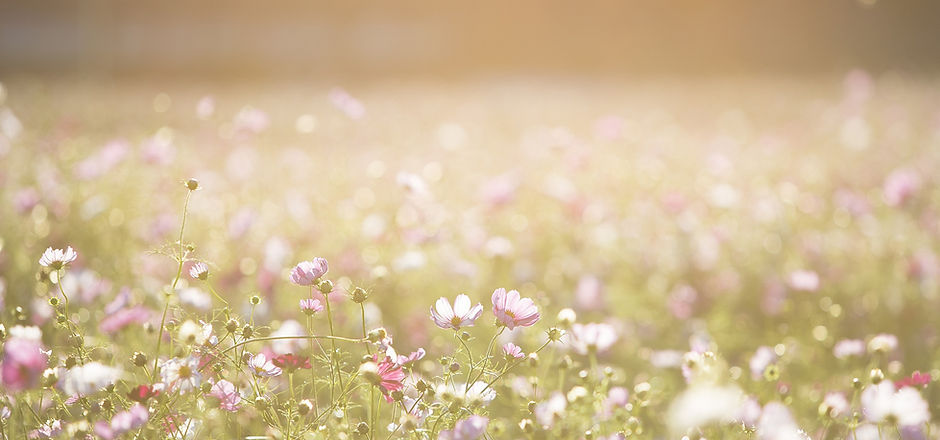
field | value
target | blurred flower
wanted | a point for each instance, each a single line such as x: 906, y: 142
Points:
x: 848, y: 347
x: 250, y: 120
x: 227, y: 393
x: 142, y: 393
x: 905, y: 407
x: 882, y: 343
x: 513, y: 311
x: 122, y: 422
x: 291, y: 362
x: 804, y: 280
x: 260, y: 366
x: 205, y: 107
x: 554, y: 408
x: 592, y: 337
x: 49, y: 429
x: 88, y: 379
x: 460, y: 315
x: 23, y: 362
x: 195, y: 298
x: 589, y: 294
x: 513, y: 351
x: 306, y: 273
x: 470, y: 428
x: 916, y: 379
x: 347, y: 104
x: 411, y: 358
x: 122, y: 318
x: 56, y: 259
x: 763, y: 357
x: 291, y: 328
x: 776, y: 423
x: 900, y: 185
x: 699, y: 406
x: 385, y: 374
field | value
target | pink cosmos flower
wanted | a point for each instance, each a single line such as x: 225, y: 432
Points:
x: 460, y: 315
x: 917, y: 379
x: 848, y: 347
x: 22, y: 364
x: 260, y: 366
x: 900, y: 186
x: 123, y: 422
x: 227, y: 394
x: 57, y: 258
x: 411, y: 358
x: 387, y: 375
x: 470, y: 428
x: 513, y: 311
x: 306, y: 273
x: 50, y: 429
x: 513, y: 351
x: 123, y: 318
x: 310, y: 306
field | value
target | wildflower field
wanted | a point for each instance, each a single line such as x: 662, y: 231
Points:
x: 746, y: 258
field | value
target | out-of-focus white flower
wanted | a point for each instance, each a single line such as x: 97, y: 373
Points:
x: 906, y: 406
x: 702, y: 405
x: 289, y: 328
x: 193, y: 333
x: 32, y: 333
x: 776, y: 423
x: 882, y: 343
x: 848, y: 347
x: 804, y: 280
x: 87, y: 379
x: 592, y: 337
x: 554, y: 408
x: 195, y: 298
x: 834, y: 404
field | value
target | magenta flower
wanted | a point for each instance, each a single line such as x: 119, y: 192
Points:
x: 227, y: 394
x: 22, y: 364
x: 513, y: 311
x: 310, y: 306
x: 460, y: 315
x: 513, y: 351
x: 386, y: 374
x: 306, y: 273
x: 57, y: 258
x: 260, y: 366
x: 470, y: 428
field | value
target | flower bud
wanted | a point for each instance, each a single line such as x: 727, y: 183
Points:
x: 362, y: 428
x: 876, y: 376
x: 304, y: 407
x: 566, y: 317
x: 527, y: 426
x: 359, y: 295
x: 192, y: 184
x: 231, y: 326
x: 254, y: 300
x: 325, y: 286
x: 139, y: 359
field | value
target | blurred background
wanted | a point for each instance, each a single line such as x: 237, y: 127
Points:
x: 299, y: 38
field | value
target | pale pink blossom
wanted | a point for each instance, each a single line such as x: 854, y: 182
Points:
x: 592, y: 337
x: 848, y: 347
x: 22, y: 364
x: 261, y: 366
x: 306, y: 273
x: 310, y: 306
x: 460, y: 315
x: 513, y: 351
x: 122, y: 422
x: 513, y: 311
x: 804, y: 280
x: 471, y: 428
x: 228, y: 395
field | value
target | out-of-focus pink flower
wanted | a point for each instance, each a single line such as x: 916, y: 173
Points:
x: 681, y: 301
x: 123, y: 318
x: 228, y: 395
x: 513, y: 311
x: 499, y: 190
x: 763, y: 357
x: 551, y: 409
x: 56, y: 259
x: 158, y: 149
x: 306, y: 273
x: 513, y: 351
x: 882, y: 343
x: 310, y: 306
x: 347, y: 104
x: 291, y: 362
x: 916, y: 379
x: 50, y: 429
x: 608, y: 128
x: 592, y: 337
x: 98, y: 164
x: 589, y: 294
x: 900, y: 186
x: 205, y: 107
x: 470, y: 428
x: 122, y: 422
x: 837, y: 404
x: 260, y: 366
x: 848, y: 347
x: 25, y: 200
x: 22, y: 364
x: 251, y: 120
x: 460, y: 315
x: 804, y: 280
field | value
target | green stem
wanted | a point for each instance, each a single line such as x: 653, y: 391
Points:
x: 179, y: 272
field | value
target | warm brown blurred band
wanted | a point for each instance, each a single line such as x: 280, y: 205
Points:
x: 444, y: 37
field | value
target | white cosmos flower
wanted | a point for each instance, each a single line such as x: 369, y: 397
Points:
x: 702, y: 405
x: 181, y: 374
x: 57, y: 258
x: 87, y: 379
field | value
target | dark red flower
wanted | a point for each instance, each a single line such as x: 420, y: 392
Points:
x: 916, y: 379
x: 291, y: 362
x: 142, y: 392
